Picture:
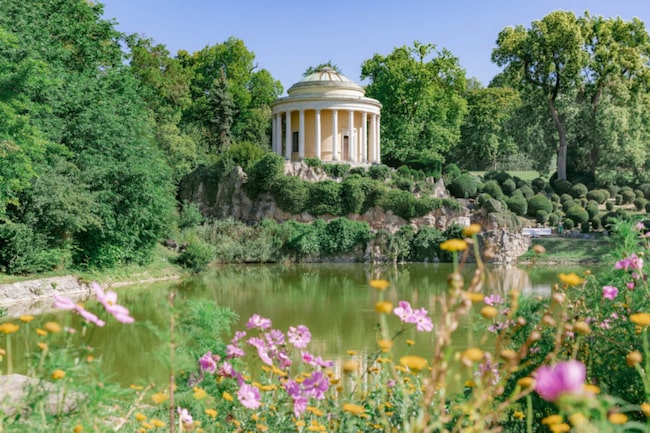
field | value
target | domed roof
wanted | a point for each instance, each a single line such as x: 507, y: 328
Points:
x: 325, y: 80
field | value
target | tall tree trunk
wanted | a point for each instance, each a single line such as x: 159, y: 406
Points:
x: 561, y: 151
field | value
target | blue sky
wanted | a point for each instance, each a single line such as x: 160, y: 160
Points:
x: 287, y: 36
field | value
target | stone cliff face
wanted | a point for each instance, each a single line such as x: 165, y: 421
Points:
x: 226, y: 198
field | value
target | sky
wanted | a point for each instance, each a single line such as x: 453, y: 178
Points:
x: 288, y: 36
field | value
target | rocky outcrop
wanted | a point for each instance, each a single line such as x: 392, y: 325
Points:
x: 503, y: 246
x: 23, y: 394
x: 27, y: 297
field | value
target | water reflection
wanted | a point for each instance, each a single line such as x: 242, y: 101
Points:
x: 334, y: 301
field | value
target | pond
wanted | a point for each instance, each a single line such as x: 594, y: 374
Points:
x: 333, y: 300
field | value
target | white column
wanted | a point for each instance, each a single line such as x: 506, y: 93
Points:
x: 287, y: 137
x: 335, y: 132
x: 364, y: 137
x: 373, y: 142
x: 317, y: 138
x: 274, y: 128
x: 351, y: 156
x: 278, y: 134
x: 301, y: 135
x: 378, y: 139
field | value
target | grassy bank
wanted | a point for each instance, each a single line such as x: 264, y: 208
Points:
x: 569, y: 250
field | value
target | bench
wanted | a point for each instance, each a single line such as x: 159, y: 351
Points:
x: 536, y: 232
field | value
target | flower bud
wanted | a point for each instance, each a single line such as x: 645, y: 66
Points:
x: 489, y: 312
x: 581, y: 327
x: 633, y: 358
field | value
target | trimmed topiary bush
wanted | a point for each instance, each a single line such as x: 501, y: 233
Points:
x: 526, y: 191
x: 578, y: 190
x: 379, y: 172
x: 597, y: 195
x: 336, y: 170
x: 565, y: 197
x: 647, y: 207
x: 645, y: 188
x: 561, y: 186
x: 628, y: 196
x: 464, y: 186
x: 609, y: 205
x: 639, y: 203
x: 518, y: 205
x: 618, y: 199
x: 639, y: 193
x: 568, y: 224
x: 539, y: 202
x: 554, y: 198
x: 508, y: 187
x: 592, y: 209
x: 585, y: 226
x: 451, y: 172
x: 578, y: 214
x: 541, y: 216
x: 538, y: 184
x: 595, y: 223
x: 553, y: 219
x: 492, y: 187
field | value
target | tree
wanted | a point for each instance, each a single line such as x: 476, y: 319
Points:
x: 329, y: 64
x: 421, y: 92
x: 565, y: 63
x: 484, y: 138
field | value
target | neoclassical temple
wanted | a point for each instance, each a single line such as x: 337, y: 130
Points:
x: 327, y: 116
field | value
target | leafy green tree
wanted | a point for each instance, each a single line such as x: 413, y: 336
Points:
x: 329, y: 64
x: 571, y: 68
x: 421, y: 90
x: 484, y: 135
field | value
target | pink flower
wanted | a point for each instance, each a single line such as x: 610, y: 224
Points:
x: 64, y: 303
x: 567, y: 377
x: 492, y: 300
x: 233, y: 351
x: 630, y: 263
x: 208, y: 363
x: 408, y: 315
x: 404, y: 311
x: 185, y: 416
x: 109, y: 301
x: 316, y: 385
x: 610, y: 292
x: 257, y: 321
x: 249, y: 396
x: 299, y: 336
x: 262, y: 349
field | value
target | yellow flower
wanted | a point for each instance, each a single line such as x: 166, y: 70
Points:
x: 147, y: 425
x: 350, y: 366
x: 140, y: 416
x: 42, y: 346
x: 552, y: 419
x: 354, y: 409
x: 211, y: 413
x: 617, y: 418
x: 591, y: 389
x: 58, y: 374
x: 577, y: 418
x: 571, y: 279
x: 380, y: 285
x: 581, y: 327
x: 41, y: 332
x: 52, y: 327
x: 261, y: 427
x: 78, y: 428
x: 508, y: 354
x: 316, y: 411
x: 27, y: 319
x: 300, y: 423
x: 641, y: 319
x: 352, y: 352
x: 136, y: 387
x: 415, y: 363
x: 159, y: 397
x: 645, y: 408
x: 518, y: 414
x: 489, y: 312
x: 383, y: 307
x: 560, y: 428
x: 158, y: 422
x: 227, y: 396
x: 410, y: 342
x: 633, y: 358
x: 526, y: 382
x: 471, y: 229
x: 9, y: 328
x: 385, y: 344
x: 474, y: 297
x: 472, y: 355
x: 453, y: 245
x: 199, y: 393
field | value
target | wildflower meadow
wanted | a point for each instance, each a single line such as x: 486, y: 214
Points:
x: 576, y: 359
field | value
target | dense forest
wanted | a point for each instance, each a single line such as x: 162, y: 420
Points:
x: 98, y: 128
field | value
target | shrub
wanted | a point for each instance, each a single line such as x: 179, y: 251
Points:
x: 577, y: 213
x: 628, y: 196
x: 197, y: 255
x: 518, y: 205
x: 647, y: 207
x: 324, y: 198
x: 609, y: 206
x: 541, y: 216
x: 244, y: 154
x: 568, y: 204
x: 539, y: 202
x: 618, y: 199
x: 313, y: 162
x: 578, y: 190
x: 492, y: 205
x: 336, y: 170
x: 568, y: 224
x: 451, y: 172
x: 585, y: 226
x: 597, y: 195
x: 406, y: 205
x: 342, y: 235
x: 499, y: 176
x: 565, y: 198
x: 639, y: 203
x: 190, y: 216
x: 425, y: 244
x: 291, y: 193
x: 24, y: 251
x: 492, y: 188
x: 561, y: 186
x: 463, y: 186
x: 352, y: 195
x: 263, y: 173
x: 526, y: 191
x: 592, y: 209
x: 403, y: 183
x: 553, y: 219
x: 379, y: 172
x: 538, y: 184
x: 508, y: 187
x: 638, y: 193
x: 359, y: 171
x: 554, y: 198
x: 304, y: 239
x: 595, y: 223
x: 645, y: 188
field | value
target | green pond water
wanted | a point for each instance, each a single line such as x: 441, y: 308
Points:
x: 333, y: 301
